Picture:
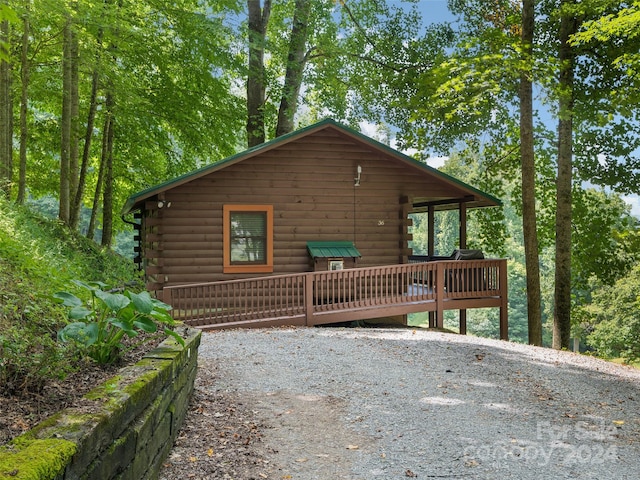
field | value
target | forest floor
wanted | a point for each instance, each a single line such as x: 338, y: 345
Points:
x: 22, y: 410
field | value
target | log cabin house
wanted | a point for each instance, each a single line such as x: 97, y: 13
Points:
x: 310, y: 228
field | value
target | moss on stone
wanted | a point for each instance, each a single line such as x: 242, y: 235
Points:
x: 29, y: 459
x: 46, y: 451
x: 104, y: 390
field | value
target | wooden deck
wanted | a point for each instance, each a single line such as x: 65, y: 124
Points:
x: 317, y: 298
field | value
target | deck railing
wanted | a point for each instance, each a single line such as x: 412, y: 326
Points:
x: 332, y: 296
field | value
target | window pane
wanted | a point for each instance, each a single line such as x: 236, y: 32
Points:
x: 248, y: 237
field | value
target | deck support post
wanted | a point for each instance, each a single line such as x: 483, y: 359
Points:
x: 504, y: 302
x: 432, y: 319
x: 463, y: 322
x: 463, y: 244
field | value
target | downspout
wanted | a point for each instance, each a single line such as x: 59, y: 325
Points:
x: 136, y: 228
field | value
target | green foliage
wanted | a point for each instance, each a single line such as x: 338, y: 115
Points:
x: 37, y: 257
x: 614, y: 320
x: 99, y: 326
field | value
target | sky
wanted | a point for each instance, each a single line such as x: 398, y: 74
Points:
x: 432, y: 10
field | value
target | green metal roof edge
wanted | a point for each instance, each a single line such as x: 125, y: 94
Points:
x: 133, y: 199
x: 347, y: 248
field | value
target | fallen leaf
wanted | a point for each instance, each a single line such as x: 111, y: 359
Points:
x: 210, y: 452
x: 618, y: 422
x: 302, y: 460
x: 193, y: 459
x: 409, y: 473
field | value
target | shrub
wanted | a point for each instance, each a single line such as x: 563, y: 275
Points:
x: 98, y: 326
x: 615, y: 316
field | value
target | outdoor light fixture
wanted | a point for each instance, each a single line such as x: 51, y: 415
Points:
x: 357, y: 179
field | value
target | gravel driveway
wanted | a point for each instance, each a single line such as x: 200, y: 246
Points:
x: 327, y: 403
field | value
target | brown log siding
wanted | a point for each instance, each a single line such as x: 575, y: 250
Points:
x: 310, y: 183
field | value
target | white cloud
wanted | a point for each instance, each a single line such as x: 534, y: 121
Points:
x: 369, y: 129
x: 436, y: 162
x: 634, y: 201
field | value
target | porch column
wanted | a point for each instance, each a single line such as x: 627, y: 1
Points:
x: 463, y: 225
x: 463, y: 244
x: 431, y: 225
x: 431, y: 248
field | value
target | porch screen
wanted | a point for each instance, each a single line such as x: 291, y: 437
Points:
x: 248, y: 238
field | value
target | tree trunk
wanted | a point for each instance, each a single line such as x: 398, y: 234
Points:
x: 24, y: 105
x: 74, y: 112
x: 65, y: 124
x: 562, y: 307
x: 256, y: 90
x: 106, y: 133
x: 6, y: 110
x: 93, y: 107
x: 107, y: 195
x: 527, y: 156
x: 97, y: 195
x: 295, y: 67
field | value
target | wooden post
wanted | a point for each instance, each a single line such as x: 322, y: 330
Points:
x: 462, y: 314
x: 308, y: 298
x: 463, y: 322
x: 463, y: 225
x: 431, y: 222
x: 504, y: 304
x: 431, y: 250
x: 440, y: 294
x: 165, y: 296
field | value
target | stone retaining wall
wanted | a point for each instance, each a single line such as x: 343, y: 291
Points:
x: 125, y: 430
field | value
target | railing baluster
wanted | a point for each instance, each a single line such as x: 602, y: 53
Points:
x: 342, y: 290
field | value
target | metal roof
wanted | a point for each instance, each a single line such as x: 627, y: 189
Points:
x: 336, y: 249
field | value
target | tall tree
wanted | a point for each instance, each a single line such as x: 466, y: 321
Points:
x: 296, y: 61
x: 74, y: 127
x: 108, y: 184
x: 471, y: 95
x: 566, y: 58
x: 24, y: 102
x: 528, y: 175
x: 256, y: 89
x: 6, y: 110
x: 78, y: 196
x: 65, y: 120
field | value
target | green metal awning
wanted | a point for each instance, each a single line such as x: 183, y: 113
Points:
x: 332, y: 249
